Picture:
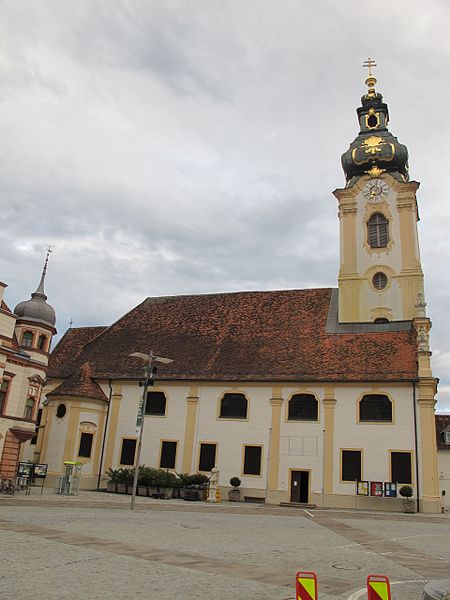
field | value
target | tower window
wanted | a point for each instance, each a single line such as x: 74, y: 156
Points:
x: 27, y: 339
x: 302, y: 407
x: 372, y: 122
x: 377, y: 231
x: 375, y: 407
x: 379, y: 281
x: 42, y: 342
x: 233, y: 406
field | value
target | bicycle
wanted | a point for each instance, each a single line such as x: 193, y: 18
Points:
x: 7, y: 487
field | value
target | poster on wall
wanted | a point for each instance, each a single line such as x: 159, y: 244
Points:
x: 40, y: 471
x: 362, y: 488
x: 390, y: 489
x: 376, y: 488
x: 24, y: 469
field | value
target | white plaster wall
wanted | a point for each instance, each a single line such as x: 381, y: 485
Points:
x: 170, y: 427
x: 444, y: 475
x: 90, y: 417
x: 375, y: 439
x: 57, y: 438
x: 231, y: 435
x: 301, y: 442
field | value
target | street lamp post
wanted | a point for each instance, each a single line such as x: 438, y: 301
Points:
x: 149, y: 369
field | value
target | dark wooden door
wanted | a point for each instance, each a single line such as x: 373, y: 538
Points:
x: 300, y: 486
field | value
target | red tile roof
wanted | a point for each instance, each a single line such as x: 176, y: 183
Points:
x: 80, y: 385
x: 69, y: 347
x: 243, y: 336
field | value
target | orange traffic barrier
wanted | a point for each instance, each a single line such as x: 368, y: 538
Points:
x: 378, y: 587
x: 306, y: 585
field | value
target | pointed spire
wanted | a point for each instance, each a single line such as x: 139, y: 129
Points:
x: 40, y: 293
x: 36, y: 308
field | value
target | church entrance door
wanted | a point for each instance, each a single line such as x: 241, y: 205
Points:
x: 300, y: 486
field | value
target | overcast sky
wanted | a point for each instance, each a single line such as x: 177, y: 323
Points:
x: 173, y: 147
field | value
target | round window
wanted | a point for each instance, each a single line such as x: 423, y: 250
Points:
x: 379, y: 281
x: 61, y: 411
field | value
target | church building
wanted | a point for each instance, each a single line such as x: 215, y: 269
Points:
x: 299, y: 393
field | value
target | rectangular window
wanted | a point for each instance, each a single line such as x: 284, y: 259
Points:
x: 29, y: 409
x: 85, y: 449
x: 4, y: 389
x: 33, y: 440
x: 168, y: 455
x: 252, y: 460
x: 207, y: 457
x: 401, y: 467
x: 351, y: 465
x: 128, y: 451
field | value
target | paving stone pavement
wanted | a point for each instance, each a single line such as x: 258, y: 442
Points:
x: 93, y: 546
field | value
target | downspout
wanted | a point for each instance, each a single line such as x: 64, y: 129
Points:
x: 416, y: 445
x: 104, y: 436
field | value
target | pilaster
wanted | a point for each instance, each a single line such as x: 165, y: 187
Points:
x: 190, y: 426
x: 116, y: 398
x: 329, y: 402
x: 276, y: 402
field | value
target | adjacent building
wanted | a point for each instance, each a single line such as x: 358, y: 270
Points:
x: 25, y: 341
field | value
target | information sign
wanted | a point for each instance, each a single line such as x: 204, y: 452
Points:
x: 25, y: 469
x: 390, y: 489
x: 40, y: 471
x: 362, y: 488
x: 376, y: 488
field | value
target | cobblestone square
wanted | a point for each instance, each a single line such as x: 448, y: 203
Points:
x: 92, y: 546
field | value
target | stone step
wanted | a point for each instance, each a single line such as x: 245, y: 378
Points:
x: 298, y: 505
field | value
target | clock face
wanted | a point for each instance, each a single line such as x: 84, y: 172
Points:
x: 375, y: 190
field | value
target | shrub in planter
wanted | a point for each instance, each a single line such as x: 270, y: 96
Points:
x: 406, y: 492
x: 234, y: 495
x: 111, y: 485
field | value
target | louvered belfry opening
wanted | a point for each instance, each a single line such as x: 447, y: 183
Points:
x: 377, y: 229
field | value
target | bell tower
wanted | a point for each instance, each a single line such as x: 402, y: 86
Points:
x: 380, y: 273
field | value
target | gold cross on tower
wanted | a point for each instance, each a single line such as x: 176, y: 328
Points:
x: 370, y: 81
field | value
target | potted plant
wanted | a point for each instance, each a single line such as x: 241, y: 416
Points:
x: 406, y: 492
x: 111, y: 485
x: 234, y: 495
x: 122, y: 477
x: 143, y: 480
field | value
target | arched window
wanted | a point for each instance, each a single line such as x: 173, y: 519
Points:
x: 233, y: 406
x: 303, y: 407
x: 27, y: 339
x: 42, y: 343
x: 381, y: 320
x: 156, y: 404
x: 375, y: 407
x: 378, y: 231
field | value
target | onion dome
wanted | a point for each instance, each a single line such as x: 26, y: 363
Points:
x: 37, y: 309
x: 375, y: 150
